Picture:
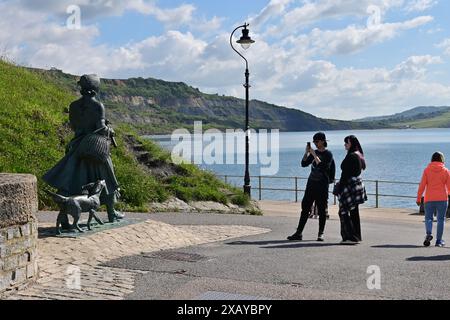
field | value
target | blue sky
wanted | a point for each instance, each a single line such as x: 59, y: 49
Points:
x: 341, y: 59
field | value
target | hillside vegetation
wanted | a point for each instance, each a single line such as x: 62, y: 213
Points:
x: 153, y: 106
x: 418, y: 117
x: 433, y: 120
x: 34, y: 132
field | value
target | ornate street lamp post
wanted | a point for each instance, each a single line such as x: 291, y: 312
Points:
x: 245, y: 41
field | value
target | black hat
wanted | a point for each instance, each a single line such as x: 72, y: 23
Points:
x: 320, y: 136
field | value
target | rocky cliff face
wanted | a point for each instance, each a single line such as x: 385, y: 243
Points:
x: 158, y: 107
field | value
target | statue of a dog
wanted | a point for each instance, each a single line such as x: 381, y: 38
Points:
x: 76, y: 205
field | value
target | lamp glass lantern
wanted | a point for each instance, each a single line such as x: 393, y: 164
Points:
x: 245, y: 41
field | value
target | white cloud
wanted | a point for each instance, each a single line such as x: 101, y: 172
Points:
x: 353, y: 39
x: 312, y: 12
x: 275, y: 8
x: 207, y: 27
x: 413, y: 68
x: 349, y: 93
x: 420, y: 5
x: 177, y: 16
x: 434, y: 30
x: 91, y: 10
x: 445, y: 44
x: 287, y: 72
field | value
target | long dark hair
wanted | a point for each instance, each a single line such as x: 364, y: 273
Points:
x: 356, y: 146
x: 438, y: 157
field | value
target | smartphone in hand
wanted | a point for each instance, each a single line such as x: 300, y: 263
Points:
x: 308, y: 147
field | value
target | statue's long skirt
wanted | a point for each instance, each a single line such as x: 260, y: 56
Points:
x: 71, y: 173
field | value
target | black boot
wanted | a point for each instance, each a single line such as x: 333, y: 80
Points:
x: 113, y: 214
x: 296, y: 236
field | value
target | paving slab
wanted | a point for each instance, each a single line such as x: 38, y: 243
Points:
x: 197, y: 256
x: 71, y: 267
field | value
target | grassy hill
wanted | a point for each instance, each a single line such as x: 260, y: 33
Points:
x: 34, y: 132
x: 418, y: 117
x: 154, y: 106
x: 439, y: 120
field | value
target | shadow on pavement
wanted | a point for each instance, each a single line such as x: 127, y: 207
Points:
x: 397, y: 246
x: 285, y: 244
x: 46, y: 232
x: 432, y: 258
x: 305, y: 245
x: 258, y: 243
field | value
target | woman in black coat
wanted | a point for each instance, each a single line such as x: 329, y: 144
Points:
x: 351, y: 191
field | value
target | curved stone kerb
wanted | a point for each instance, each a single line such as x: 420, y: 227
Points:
x: 18, y: 199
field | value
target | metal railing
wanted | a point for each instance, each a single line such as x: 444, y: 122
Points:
x: 296, y: 188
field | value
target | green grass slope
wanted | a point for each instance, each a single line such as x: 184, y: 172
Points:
x: 441, y: 120
x: 34, y: 132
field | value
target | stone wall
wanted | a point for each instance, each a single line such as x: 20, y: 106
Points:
x: 18, y: 231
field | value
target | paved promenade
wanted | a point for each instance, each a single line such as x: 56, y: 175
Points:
x: 292, y: 209
x: 206, y: 256
x: 59, y: 258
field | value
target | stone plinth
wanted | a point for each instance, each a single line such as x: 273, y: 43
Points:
x: 18, y: 231
x: 18, y: 199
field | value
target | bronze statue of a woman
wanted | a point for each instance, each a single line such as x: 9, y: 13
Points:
x: 87, y: 156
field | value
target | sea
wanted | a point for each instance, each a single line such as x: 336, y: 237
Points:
x: 395, y: 158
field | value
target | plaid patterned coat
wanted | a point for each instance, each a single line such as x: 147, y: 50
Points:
x: 351, y: 195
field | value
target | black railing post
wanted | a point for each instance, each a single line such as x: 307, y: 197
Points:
x: 259, y: 178
x: 296, y: 189
x: 376, y: 194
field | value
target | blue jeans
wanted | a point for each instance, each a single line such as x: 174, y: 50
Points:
x: 430, y: 208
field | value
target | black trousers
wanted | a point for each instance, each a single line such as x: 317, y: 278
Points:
x: 351, y: 225
x: 317, y: 193
x: 354, y: 216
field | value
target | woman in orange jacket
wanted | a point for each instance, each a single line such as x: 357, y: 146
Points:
x: 436, y: 184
